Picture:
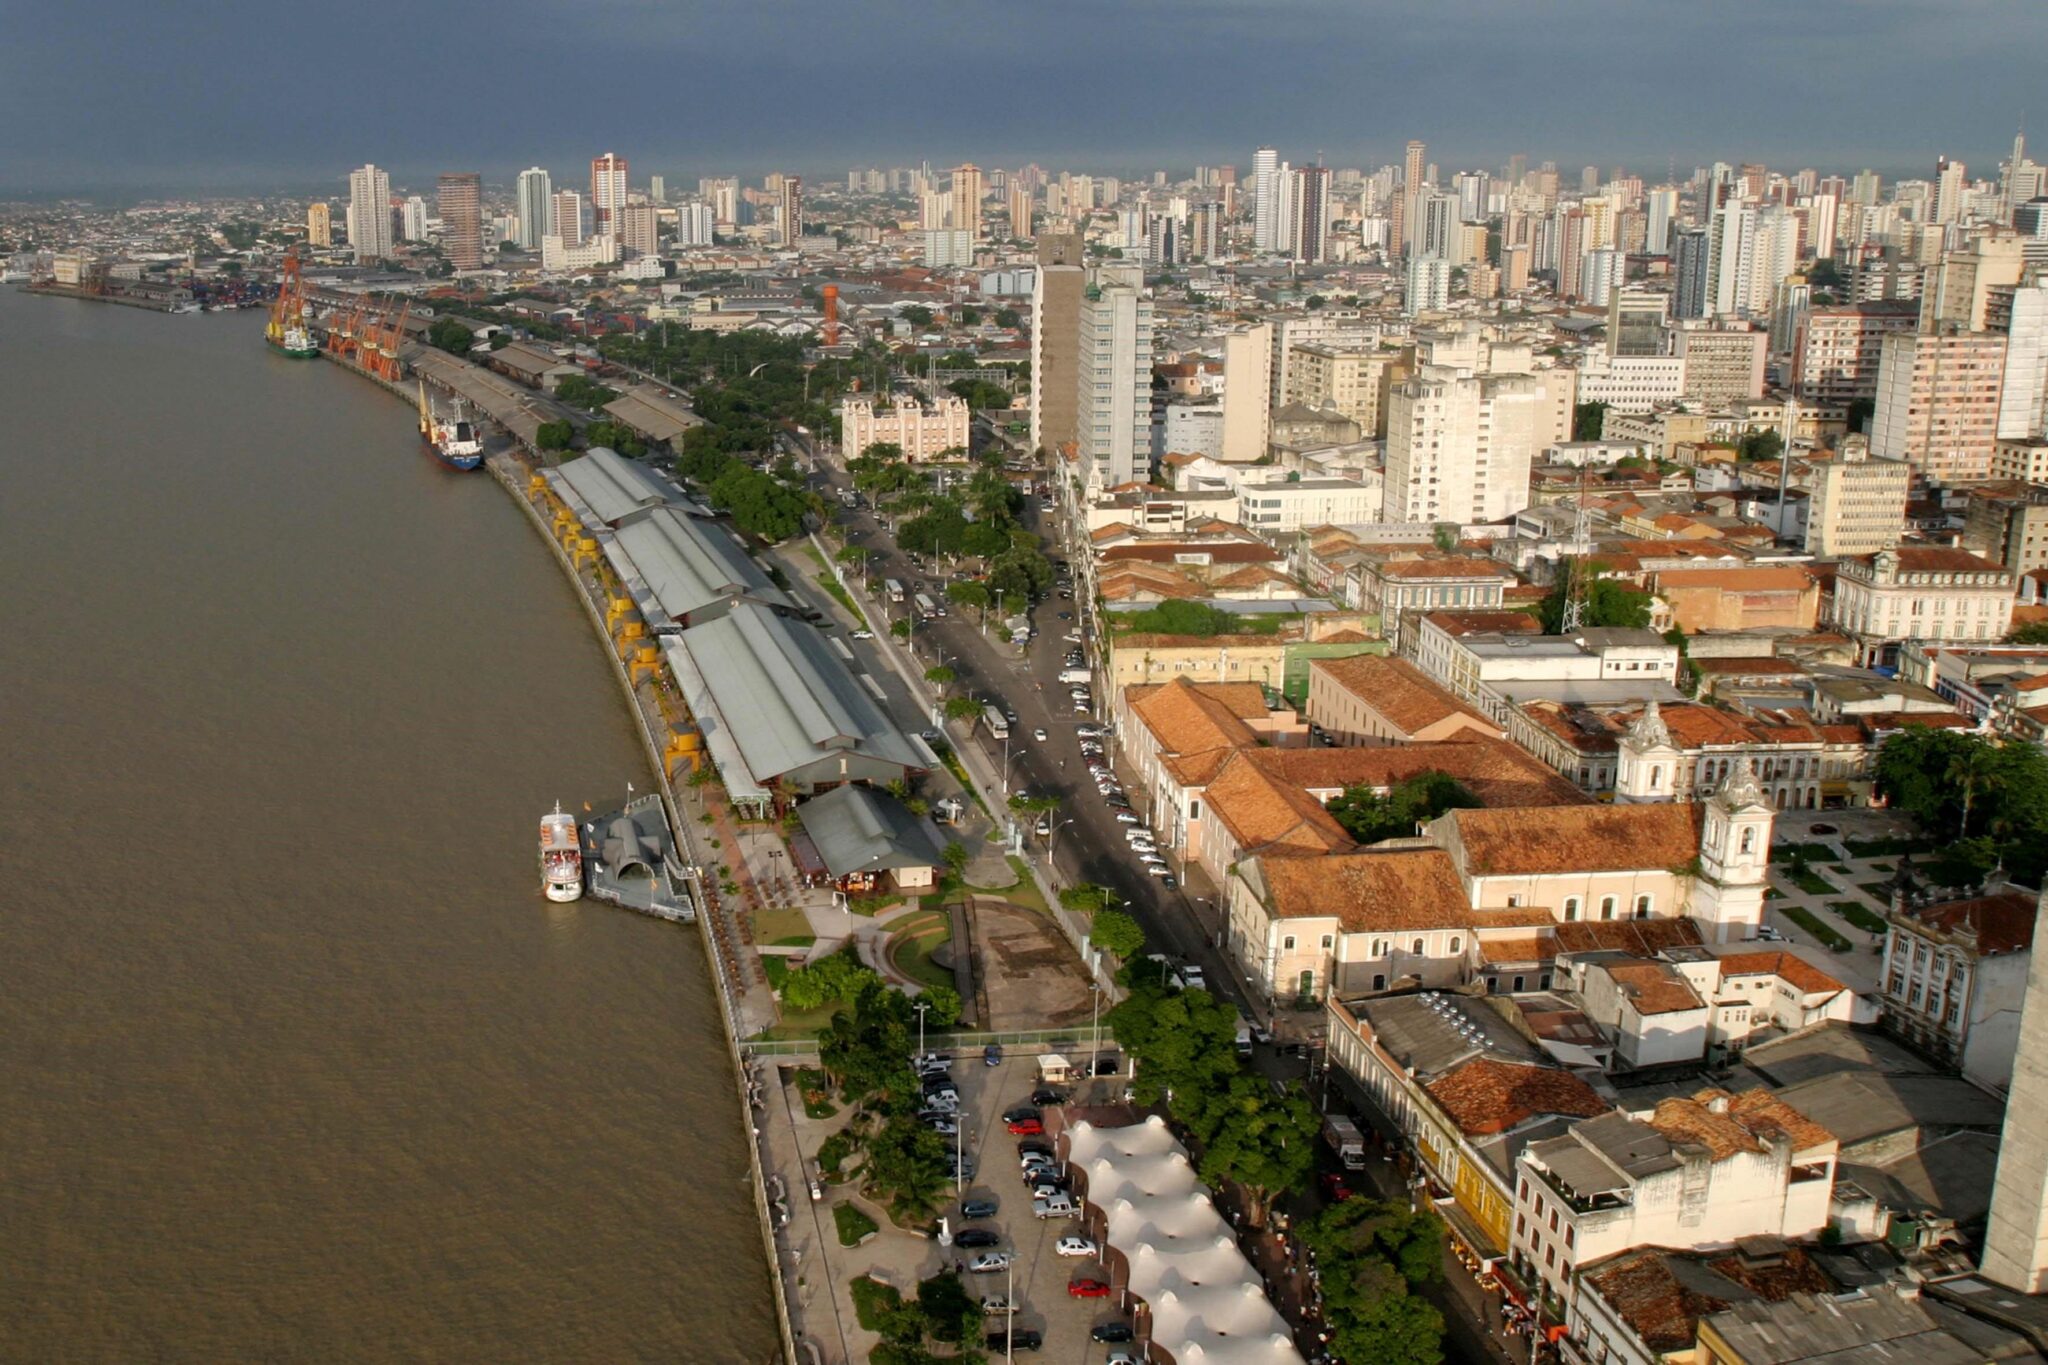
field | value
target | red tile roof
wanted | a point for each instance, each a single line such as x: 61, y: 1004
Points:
x: 1399, y: 691
x: 1595, y: 838
x: 1394, y: 890
x: 2003, y: 923
x: 1794, y: 969
x: 1486, y: 1095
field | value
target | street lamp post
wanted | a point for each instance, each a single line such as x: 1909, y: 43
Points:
x: 1095, y: 1027
x: 1052, y: 835
x: 959, y: 1150
x: 921, y: 1006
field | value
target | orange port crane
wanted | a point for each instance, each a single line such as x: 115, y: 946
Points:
x: 386, y: 337
x: 288, y: 310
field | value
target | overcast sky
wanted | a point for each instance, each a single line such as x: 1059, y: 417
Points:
x: 221, y: 94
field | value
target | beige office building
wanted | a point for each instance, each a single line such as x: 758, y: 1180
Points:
x: 1056, y: 340
x: 1351, y: 379
x: 1722, y: 365
x: 1856, y: 505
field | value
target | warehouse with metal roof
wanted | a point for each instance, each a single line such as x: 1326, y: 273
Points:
x: 862, y: 836
x: 774, y: 703
x: 681, y: 569
x: 604, y: 487
x: 653, y: 414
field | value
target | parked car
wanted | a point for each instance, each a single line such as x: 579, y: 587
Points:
x: 1039, y: 734
x: 1170, y: 882
x: 1088, y: 1289
x: 944, y: 1127
x: 1046, y: 1095
x: 1075, y: 1246
x: 977, y: 1237
x: 992, y: 1055
x: 978, y: 1208
x: 1089, y: 732
x: 1026, y: 1127
x: 1044, y: 1186
x: 863, y: 635
x: 1112, y: 1331
x: 1124, y: 817
x: 996, y: 1306
x: 989, y: 1263
x: 1035, y: 1148
x: 1057, y: 1206
x: 1021, y: 1339
x: 1108, y: 1065
x: 1022, y: 1111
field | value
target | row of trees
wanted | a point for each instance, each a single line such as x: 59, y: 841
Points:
x: 866, y: 1052
x: 758, y: 502
x: 1373, y: 1256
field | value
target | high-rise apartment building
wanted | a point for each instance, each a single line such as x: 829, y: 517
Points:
x: 607, y: 191
x: 535, y: 192
x: 1345, y: 378
x: 967, y: 189
x: 369, y: 202
x: 1020, y: 211
x: 1836, y: 350
x: 789, y: 210
x: 412, y: 219
x: 1950, y: 185
x: 948, y: 248
x: 695, y: 224
x: 1113, y: 377
x: 1429, y: 286
x: 1247, y: 393
x: 1938, y: 397
x: 1411, y: 186
x: 1661, y: 206
x: 571, y: 218
x: 1692, y: 252
x: 1635, y: 323
x: 319, y: 224
x: 1436, y: 223
x: 459, y: 199
x: 1460, y: 443
x: 1266, y: 199
x: 657, y: 188
x: 1056, y: 293
x: 1514, y: 268
x: 639, y: 229
x: 2023, y: 399
x: 1309, y: 214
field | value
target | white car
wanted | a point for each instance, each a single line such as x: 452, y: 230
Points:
x: 863, y: 635
x: 1075, y: 1246
x: 1124, y: 817
x: 1039, y: 735
x: 1131, y: 836
x: 996, y: 1306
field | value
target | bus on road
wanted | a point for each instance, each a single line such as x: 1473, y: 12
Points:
x: 925, y: 609
x: 998, y: 725
x: 895, y: 589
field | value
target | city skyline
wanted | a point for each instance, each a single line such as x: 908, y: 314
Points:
x: 1351, y: 82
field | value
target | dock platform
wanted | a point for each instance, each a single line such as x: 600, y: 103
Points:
x: 629, y: 860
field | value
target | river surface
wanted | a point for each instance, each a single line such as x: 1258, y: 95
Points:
x: 295, y: 1063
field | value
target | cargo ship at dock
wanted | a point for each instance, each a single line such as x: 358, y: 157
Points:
x: 453, y: 437
x: 287, y: 332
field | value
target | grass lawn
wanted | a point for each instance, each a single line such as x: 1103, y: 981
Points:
x: 912, y: 940
x: 785, y: 926
x: 872, y: 1299
x: 816, y: 1092
x: 1856, y: 914
x: 1811, y: 882
x: 1812, y: 924
x: 853, y: 1227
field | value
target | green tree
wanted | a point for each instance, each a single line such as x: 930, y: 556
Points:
x: 1370, y: 817
x: 943, y: 1002
x: 1588, y: 420
x: 2032, y: 633
x: 900, y: 629
x: 554, y: 435
x: 1759, y: 445
x: 1086, y: 898
x: 916, y: 314
x: 1609, y: 601
x: 1184, y: 1044
x: 962, y: 708
x: 955, y: 857
x: 951, y: 1314
x: 909, y: 1166
x: 839, y: 977
x: 967, y: 593
x: 1182, y: 618
x: 1116, y: 933
x: 940, y: 675
x: 1390, y: 1328
x: 447, y: 334
x: 1026, y: 804
x: 1265, y: 1143
x: 866, y: 1048
x: 1378, y: 1229
x: 1008, y: 317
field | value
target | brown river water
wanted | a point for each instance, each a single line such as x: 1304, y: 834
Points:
x: 295, y: 1063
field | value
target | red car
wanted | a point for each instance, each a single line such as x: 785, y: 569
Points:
x: 1088, y: 1289
x: 1027, y: 1127
x: 1334, y: 1187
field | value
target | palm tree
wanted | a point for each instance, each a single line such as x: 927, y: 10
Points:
x: 1973, y: 767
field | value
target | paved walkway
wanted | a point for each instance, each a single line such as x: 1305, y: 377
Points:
x: 1856, y: 882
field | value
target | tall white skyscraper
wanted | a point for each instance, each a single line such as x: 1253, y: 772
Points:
x: 369, y: 203
x: 535, y: 193
x: 657, y: 188
x: 413, y: 220
x: 607, y: 190
x: 1731, y: 241
x: 1266, y: 199
x: 1662, y: 208
x: 2023, y: 405
x: 1114, y: 394
x: 1460, y: 443
x: 1429, y: 285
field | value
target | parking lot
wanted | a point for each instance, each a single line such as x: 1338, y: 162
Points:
x: 1038, y: 1277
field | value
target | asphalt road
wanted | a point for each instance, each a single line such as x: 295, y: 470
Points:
x: 1088, y: 843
